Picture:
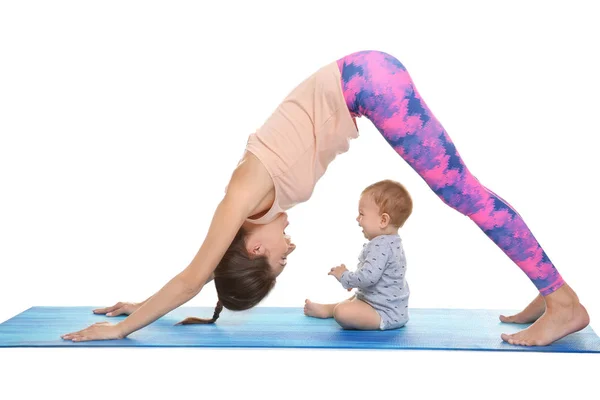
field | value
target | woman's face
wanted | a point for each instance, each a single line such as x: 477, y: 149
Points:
x: 270, y: 240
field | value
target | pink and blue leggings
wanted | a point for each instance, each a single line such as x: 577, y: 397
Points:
x: 377, y: 86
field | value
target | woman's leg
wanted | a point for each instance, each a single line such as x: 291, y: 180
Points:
x: 378, y: 86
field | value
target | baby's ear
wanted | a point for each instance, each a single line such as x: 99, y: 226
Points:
x: 385, y: 220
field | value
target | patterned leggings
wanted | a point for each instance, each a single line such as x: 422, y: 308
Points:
x: 378, y: 86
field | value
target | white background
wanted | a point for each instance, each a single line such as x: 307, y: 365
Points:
x: 121, y: 122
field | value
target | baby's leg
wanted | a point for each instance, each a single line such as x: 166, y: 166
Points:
x: 356, y: 314
x: 318, y: 310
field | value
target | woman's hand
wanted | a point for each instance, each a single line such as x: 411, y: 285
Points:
x: 118, y: 309
x: 98, y: 331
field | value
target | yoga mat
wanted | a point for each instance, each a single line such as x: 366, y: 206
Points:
x: 284, y: 327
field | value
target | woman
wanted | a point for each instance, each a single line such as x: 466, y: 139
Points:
x: 246, y: 247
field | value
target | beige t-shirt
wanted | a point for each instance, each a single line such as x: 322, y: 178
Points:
x: 300, y: 139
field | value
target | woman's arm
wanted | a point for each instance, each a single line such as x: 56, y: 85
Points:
x: 249, y: 185
x: 126, y: 308
x: 184, y: 286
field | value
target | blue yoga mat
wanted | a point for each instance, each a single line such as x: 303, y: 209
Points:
x: 282, y: 327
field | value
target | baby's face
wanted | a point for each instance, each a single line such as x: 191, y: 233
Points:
x: 369, y: 218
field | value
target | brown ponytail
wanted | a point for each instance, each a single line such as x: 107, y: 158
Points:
x: 195, y: 320
x: 241, y: 280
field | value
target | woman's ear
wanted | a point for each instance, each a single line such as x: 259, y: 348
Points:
x: 258, y: 250
x: 255, y: 248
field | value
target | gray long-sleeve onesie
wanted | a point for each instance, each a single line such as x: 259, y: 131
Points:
x: 380, y: 280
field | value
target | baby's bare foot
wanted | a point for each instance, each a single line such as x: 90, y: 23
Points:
x: 318, y: 310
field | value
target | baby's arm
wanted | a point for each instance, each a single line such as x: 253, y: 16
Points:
x: 371, y: 270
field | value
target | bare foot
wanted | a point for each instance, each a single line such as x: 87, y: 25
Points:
x: 564, y: 315
x: 318, y: 310
x: 531, y: 313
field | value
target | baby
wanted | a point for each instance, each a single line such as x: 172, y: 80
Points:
x: 381, y: 299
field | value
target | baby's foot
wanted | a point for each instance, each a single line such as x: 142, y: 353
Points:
x: 531, y: 313
x: 318, y: 310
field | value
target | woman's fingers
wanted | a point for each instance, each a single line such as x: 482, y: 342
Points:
x: 78, y: 336
x: 71, y: 334
x: 80, y: 333
x: 118, y: 311
x: 108, y: 309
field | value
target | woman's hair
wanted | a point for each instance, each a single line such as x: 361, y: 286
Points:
x: 242, y: 280
x: 393, y: 199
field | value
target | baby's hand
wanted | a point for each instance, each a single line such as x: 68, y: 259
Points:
x: 338, y: 271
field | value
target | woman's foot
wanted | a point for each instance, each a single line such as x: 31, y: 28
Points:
x: 531, y: 313
x: 318, y: 310
x: 564, y: 315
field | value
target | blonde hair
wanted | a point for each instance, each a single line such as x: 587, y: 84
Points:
x: 392, y: 198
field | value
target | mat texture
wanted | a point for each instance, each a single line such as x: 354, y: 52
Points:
x: 282, y: 327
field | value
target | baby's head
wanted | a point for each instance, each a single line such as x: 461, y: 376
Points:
x: 383, y: 208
